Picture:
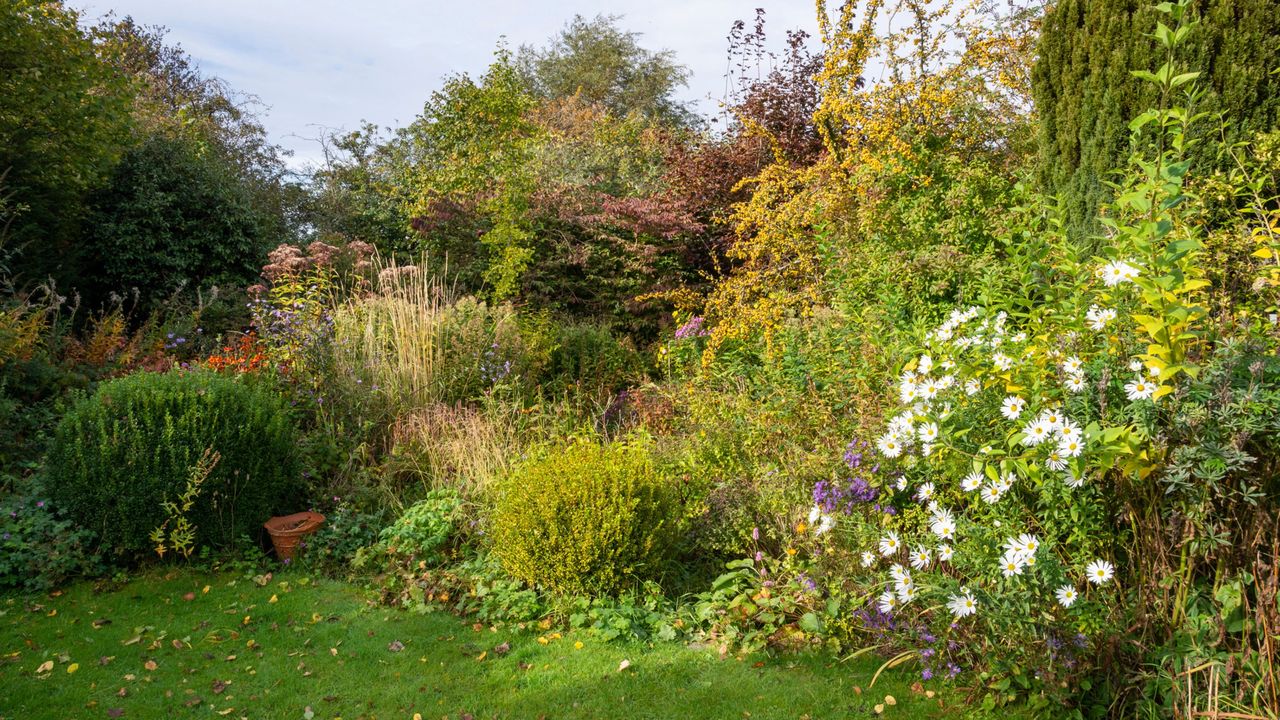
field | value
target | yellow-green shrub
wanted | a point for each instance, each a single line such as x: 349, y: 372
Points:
x: 585, y: 518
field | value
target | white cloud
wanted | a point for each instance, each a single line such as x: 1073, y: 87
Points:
x: 331, y: 64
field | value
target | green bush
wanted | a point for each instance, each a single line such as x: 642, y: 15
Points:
x: 121, y: 452
x: 424, y: 531
x: 38, y: 549
x: 584, y: 518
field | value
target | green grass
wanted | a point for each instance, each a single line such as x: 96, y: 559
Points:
x: 161, y: 646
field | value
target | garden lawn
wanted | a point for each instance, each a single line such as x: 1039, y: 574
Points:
x: 187, y: 644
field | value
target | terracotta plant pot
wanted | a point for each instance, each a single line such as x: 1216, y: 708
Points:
x: 287, y: 531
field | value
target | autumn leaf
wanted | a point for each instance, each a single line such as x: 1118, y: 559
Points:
x: 395, y: 646
x: 72, y: 668
x: 150, y: 665
x: 45, y: 667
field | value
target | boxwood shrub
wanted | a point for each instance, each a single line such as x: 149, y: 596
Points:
x: 585, y: 518
x: 119, y: 453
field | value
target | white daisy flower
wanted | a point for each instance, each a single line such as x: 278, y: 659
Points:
x: 948, y: 364
x: 920, y: 558
x: 906, y: 594
x: 925, y: 492
x: 1074, y: 479
x: 1072, y: 366
x: 889, y: 446
x: 1139, y: 389
x: 1070, y: 447
x: 1036, y: 432
x: 901, y: 426
x: 888, y: 601
x: 889, y: 544
x: 1012, y: 563
x: 1116, y: 272
x: 944, y: 526
x: 814, y: 514
x: 1074, y: 383
x: 909, y: 393
x: 1053, y: 417
x: 991, y: 494
x: 1068, y: 429
x: 928, y: 432
x: 1005, y: 482
x: 1055, y: 461
x: 944, y: 553
x: 972, y: 386
x: 925, y: 365
x: 1012, y: 407
x: 899, y: 574
x: 1099, y: 317
x: 971, y: 482
x: 1067, y: 595
x: 1135, y: 366
x: 1153, y: 371
x: 929, y: 389
x: 825, y: 524
x: 963, y: 605
x: 1001, y: 361
x: 902, y: 483
x: 868, y: 559
x: 1100, y: 572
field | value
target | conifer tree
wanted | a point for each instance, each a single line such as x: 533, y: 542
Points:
x: 1086, y: 95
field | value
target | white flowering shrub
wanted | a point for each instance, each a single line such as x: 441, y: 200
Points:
x: 1029, y: 428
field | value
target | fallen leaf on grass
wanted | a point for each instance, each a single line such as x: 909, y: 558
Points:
x: 194, y: 701
x: 624, y: 665
x: 890, y: 700
x: 308, y: 713
x: 274, y: 599
x: 879, y: 708
x: 122, y: 692
x: 502, y: 649
x: 45, y: 667
x: 219, y: 686
x: 189, y: 596
x: 106, y: 660
x: 482, y: 656
x: 100, y: 623
x: 115, y: 712
x: 150, y: 665
x: 395, y: 646
x: 72, y: 668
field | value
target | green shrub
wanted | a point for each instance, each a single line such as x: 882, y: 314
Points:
x: 38, y: 549
x: 584, y: 518
x: 120, y: 453
x: 424, y: 531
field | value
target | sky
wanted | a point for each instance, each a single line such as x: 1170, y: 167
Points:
x: 324, y: 65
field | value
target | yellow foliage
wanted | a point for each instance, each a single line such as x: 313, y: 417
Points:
x: 954, y: 79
